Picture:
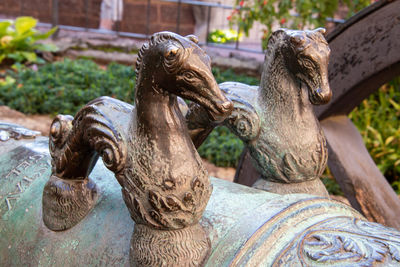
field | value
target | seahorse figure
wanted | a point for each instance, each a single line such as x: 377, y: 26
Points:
x: 276, y: 120
x: 148, y: 147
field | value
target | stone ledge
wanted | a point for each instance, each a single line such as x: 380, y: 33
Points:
x: 104, y: 57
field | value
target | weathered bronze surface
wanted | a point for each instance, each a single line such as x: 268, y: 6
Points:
x: 148, y: 147
x: 276, y: 120
x: 164, y: 185
x: 245, y: 226
x: 364, y: 56
x: 12, y: 131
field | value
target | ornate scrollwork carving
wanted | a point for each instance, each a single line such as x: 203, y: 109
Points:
x: 345, y: 241
x: 75, y: 144
x: 90, y: 131
x: 244, y: 121
x: 164, y: 183
x: 157, y: 196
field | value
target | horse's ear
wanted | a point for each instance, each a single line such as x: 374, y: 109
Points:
x: 192, y: 38
x: 278, y: 32
x: 297, y: 39
x: 171, y: 52
x: 321, y: 31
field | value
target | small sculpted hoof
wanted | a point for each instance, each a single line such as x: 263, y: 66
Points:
x: 188, y: 246
x: 67, y: 202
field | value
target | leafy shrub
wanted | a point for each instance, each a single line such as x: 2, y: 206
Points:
x: 18, y: 40
x: 330, y: 183
x: 65, y: 86
x: 222, y: 147
x: 309, y: 13
x: 378, y: 120
x: 223, y: 36
x: 396, y: 186
x: 230, y: 75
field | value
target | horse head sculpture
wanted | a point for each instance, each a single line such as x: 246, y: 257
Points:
x: 306, y: 57
x: 148, y: 147
x: 291, y: 148
x: 164, y: 185
x: 276, y: 120
x: 185, y: 72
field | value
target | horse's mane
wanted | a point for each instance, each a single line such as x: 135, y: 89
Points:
x: 272, y: 45
x: 155, y: 39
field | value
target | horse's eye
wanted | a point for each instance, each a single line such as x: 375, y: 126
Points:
x: 307, y: 63
x: 188, y: 75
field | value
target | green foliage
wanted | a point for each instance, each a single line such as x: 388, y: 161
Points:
x: 222, y: 148
x: 330, y: 183
x: 18, y: 40
x: 311, y: 13
x: 396, y: 187
x: 378, y: 120
x: 223, y: 36
x: 230, y: 75
x: 65, y: 86
x: 332, y: 186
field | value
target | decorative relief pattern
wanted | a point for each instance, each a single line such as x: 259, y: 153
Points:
x: 164, y: 183
x: 12, y: 131
x: 276, y: 120
x: 73, y: 143
x: 244, y: 120
x: 67, y: 202
x: 20, y: 179
x: 183, y: 247
x: 345, y: 241
x: 158, y: 197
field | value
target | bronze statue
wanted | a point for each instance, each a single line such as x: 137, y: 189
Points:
x: 164, y: 185
x: 245, y: 226
x: 148, y: 147
x: 276, y: 120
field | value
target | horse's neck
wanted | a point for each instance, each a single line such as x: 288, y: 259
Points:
x: 281, y: 95
x: 160, y: 121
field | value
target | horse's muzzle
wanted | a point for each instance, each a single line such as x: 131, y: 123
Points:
x: 320, y: 96
x: 221, y: 111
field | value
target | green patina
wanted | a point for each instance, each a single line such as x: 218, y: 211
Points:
x: 245, y: 226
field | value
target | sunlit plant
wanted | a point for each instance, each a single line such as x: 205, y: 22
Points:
x: 223, y: 36
x: 18, y: 40
x: 378, y: 120
x: 296, y: 14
